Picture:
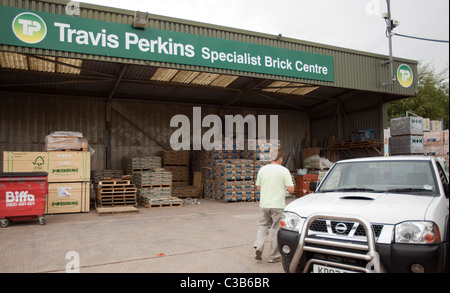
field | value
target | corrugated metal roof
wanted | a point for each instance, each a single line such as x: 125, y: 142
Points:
x: 354, y: 69
x: 47, y: 71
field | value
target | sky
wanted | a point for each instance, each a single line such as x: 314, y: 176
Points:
x: 353, y: 24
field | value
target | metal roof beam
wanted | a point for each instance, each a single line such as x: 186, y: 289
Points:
x: 248, y: 88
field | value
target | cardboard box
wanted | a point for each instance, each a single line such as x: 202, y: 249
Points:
x: 25, y: 161
x: 60, y: 166
x: 68, y: 197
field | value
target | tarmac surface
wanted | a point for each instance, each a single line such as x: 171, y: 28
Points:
x: 210, y: 237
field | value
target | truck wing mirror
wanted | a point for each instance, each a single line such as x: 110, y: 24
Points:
x: 313, y: 185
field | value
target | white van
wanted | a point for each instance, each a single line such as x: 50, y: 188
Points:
x: 380, y: 214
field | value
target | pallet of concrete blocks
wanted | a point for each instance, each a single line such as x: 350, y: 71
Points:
x: 406, y: 136
x: 147, y: 163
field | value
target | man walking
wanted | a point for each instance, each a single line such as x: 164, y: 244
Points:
x: 272, y: 181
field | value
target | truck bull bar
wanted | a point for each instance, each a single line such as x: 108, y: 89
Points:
x: 370, y: 255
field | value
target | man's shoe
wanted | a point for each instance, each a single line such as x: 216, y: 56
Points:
x: 275, y: 260
x: 258, y: 254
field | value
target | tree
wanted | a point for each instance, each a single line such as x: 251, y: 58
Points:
x: 432, y: 100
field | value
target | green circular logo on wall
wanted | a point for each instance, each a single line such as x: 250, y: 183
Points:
x: 29, y: 28
x: 404, y: 75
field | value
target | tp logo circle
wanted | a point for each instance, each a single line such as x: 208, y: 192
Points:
x: 29, y: 28
x: 405, y: 75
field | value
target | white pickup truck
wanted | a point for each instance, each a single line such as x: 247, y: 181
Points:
x: 381, y: 214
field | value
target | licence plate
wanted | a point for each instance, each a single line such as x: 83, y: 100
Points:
x: 320, y: 269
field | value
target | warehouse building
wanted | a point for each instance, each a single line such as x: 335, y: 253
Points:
x: 120, y: 76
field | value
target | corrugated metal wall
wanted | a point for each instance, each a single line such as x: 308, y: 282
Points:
x: 353, y: 69
x: 135, y: 125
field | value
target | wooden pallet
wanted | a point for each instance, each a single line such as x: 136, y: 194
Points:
x: 113, y: 183
x: 115, y: 201
x: 161, y: 205
x: 155, y: 186
x: 166, y: 202
x: 118, y: 191
x: 116, y: 210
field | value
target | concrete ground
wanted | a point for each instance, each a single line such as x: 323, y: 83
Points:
x: 212, y: 237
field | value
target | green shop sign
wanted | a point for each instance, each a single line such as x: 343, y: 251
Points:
x: 43, y: 30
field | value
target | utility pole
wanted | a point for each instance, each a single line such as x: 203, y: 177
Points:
x: 390, y: 25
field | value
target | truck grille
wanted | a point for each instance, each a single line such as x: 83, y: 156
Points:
x: 342, y: 228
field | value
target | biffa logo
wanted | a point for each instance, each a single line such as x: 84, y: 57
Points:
x: 29, y: 28
x: 22, y: 198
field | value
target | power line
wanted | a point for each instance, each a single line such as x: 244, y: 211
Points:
x: 423, y: 39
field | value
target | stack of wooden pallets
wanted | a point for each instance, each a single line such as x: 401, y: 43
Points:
x: 116, y: 192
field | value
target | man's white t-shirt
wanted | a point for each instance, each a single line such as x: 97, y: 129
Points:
x: 273, y: 180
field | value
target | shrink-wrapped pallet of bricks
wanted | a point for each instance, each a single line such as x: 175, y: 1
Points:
x: 406, y: 136
x: 436, y: 144
x: 234, y: 180
x: 260, y: 150
x: 208, y: 188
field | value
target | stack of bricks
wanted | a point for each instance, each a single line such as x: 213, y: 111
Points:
x: 229, y: 173
x: 177, y: 162
x: 436, y: 144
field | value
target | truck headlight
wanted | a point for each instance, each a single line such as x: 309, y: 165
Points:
x: 417, y: 233
x: 291, y: 221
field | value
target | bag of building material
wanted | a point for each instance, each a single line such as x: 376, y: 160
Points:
x: 316, y: 162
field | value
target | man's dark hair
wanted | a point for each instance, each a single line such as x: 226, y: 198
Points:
x: 280, y: 154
